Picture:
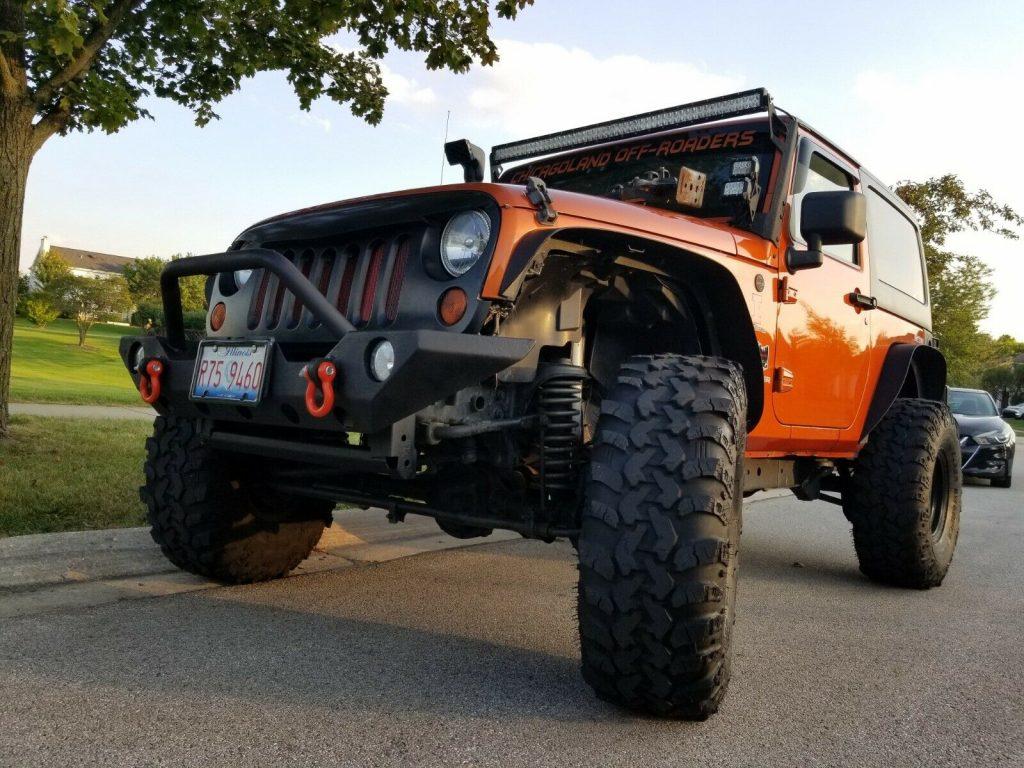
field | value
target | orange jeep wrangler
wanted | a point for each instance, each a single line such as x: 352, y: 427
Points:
x: 613, y: 344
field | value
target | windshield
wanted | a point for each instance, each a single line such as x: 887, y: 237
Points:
x: 971, y: 404
x: 663, y: 170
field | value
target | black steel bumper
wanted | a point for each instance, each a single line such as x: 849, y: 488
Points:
x: 429, y: 365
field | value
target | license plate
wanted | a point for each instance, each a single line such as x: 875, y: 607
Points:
x: 230, y: 371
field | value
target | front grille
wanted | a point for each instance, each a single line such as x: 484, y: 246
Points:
x: 362, y: 279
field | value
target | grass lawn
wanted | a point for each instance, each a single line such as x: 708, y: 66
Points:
x: 71, y: 474
x: 1017, y: 424
x: 48, y: 366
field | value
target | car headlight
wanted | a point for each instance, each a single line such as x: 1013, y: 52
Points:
x: 242, y: 277
x: 464, y: 240
x: 995, y: 437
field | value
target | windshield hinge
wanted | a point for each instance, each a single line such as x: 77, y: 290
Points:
x: 537, y: 194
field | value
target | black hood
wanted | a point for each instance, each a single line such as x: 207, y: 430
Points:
x: 976, y: 425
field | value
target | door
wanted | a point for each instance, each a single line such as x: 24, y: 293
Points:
x: 822, y: 339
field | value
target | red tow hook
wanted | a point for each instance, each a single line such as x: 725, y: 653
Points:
x: 149, y: 379
x: 326, y: 370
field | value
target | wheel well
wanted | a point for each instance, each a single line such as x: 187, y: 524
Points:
x: 649, y: 297
x: 909, y: 370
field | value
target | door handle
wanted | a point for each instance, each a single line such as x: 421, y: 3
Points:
x: 862, y: 300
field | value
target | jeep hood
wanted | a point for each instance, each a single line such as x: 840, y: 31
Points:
x: 574, y: 209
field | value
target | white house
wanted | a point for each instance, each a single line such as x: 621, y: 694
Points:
x: 82, y: 263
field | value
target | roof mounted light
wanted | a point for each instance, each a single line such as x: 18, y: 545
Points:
x: 734, y: 105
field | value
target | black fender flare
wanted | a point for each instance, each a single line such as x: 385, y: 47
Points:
x: 719, y: 299
x: 916, y: 370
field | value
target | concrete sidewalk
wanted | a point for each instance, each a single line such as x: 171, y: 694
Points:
x: 69, y: 411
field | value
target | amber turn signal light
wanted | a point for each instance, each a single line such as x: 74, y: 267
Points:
x: 220, y: 312
x: 452, y: 306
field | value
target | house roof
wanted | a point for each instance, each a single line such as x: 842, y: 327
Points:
x: 101, y: 262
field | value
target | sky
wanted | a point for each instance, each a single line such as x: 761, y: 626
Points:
x: 910, y: 89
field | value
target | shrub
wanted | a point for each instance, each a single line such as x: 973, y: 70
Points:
x: 40, y: 311
x: 154, y: 313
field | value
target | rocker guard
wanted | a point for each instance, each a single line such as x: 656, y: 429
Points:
x: 429, y: 365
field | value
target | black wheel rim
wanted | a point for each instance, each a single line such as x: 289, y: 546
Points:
x: 939, y: 503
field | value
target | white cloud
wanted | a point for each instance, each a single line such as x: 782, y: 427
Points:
x: 540, y: 87
x: 312, y: 120
x: 405, y: 90
x: 954, y: 120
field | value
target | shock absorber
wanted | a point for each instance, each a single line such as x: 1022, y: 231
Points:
x: 560, y: 407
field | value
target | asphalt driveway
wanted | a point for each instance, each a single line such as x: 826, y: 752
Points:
x: 469, y: 657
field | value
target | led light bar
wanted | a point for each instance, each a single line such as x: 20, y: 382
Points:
x: 734, y: 105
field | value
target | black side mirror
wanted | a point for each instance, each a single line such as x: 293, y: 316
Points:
x: 467, y: 154
x: 828, y: 218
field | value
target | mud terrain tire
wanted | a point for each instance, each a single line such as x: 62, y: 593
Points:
x: 660, y: 535
x: 903, y: 496
x: 207, y: 522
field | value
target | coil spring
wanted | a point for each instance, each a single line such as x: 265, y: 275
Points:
x: 560, y: 405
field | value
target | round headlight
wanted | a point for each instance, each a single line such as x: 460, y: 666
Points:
x: 464, y: 240
x: 242, y: 277
x: 382, y: 360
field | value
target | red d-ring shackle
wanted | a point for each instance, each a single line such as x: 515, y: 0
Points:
x: 149, y: 379
x: 326, y: 370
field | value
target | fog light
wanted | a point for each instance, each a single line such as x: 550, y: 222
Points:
x: 138, y: 356
x: 382, y: 360
x: 452, y: 306
x: 220, y: 312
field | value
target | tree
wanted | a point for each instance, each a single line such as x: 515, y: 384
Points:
x: 960, y: 284
x: 24, y: 288
x: 48, y: 269
x: 39, y: 310
x: 193, y: 289
x: 143, y: 279
x: 90, y: 300
x: 72, y: 65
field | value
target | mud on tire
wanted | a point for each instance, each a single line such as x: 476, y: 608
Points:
x: 660, y: 533
x: 903, y: 496
x: 207, y: 522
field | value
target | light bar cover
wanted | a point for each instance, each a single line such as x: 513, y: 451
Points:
x: 743, y: 103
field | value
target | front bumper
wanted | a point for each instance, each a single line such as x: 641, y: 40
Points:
x: 986, y: 460
x: 429, y: 365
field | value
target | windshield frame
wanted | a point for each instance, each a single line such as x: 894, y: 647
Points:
x: 771, y: 176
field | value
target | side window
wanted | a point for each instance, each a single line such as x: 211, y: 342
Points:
x: 824, y: 176
x: 894, y: 247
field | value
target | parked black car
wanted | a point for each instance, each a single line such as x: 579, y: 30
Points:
x: 987, y: 443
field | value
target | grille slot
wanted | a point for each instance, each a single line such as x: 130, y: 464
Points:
x: 363, y: 279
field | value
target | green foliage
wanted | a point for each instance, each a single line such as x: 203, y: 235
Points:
x: 40, y: 311
x: 90, y: 62
x: 193, y: 290
x: 1006, y: 383
x: 999, y: 373
x: 49, y: 269
x: 960, y: 284
x: 24, y: 288
x: 143, y: 279
x: 89, y: 300
x: 151, y: 317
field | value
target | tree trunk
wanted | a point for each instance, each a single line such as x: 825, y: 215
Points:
x: 16, y: 151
